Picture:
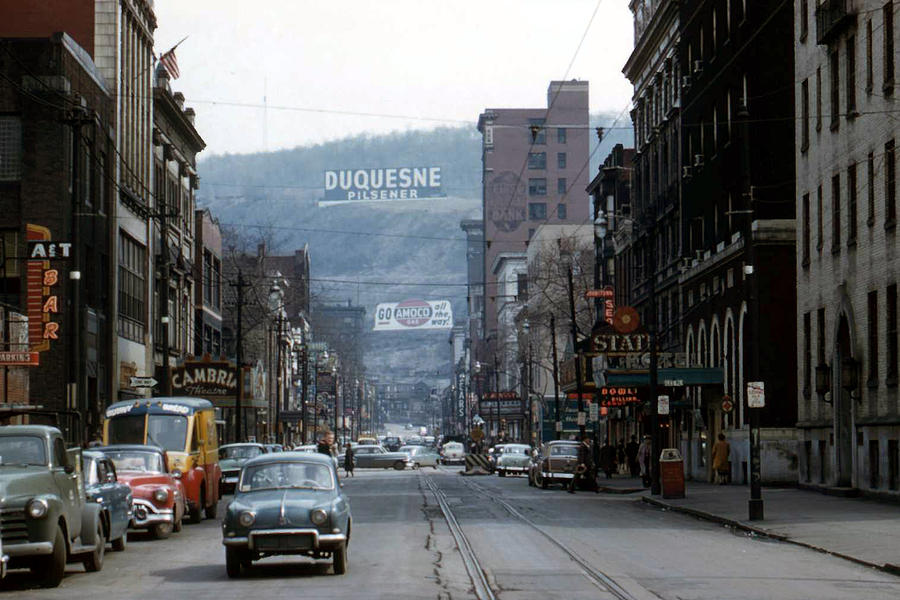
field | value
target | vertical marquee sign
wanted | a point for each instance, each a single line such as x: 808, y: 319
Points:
x: 42, y: 301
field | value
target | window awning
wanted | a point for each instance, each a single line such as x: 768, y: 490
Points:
x: 668, y: 377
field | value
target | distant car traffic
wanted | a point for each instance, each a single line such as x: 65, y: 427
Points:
x: 392, y: 443
x: 287, y: 503
x: 232, y: 457
x: 102, y: 486
x: 376, y: 457
x: 421, y: 456
x: 512, y: 459
x: 157, y: 494
x: 452, y: 453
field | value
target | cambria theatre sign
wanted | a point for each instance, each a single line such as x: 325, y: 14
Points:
x: 205, y: 378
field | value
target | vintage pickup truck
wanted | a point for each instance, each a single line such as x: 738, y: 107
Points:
x: 45, y: 521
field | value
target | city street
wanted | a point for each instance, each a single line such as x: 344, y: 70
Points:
x: 530, y: 543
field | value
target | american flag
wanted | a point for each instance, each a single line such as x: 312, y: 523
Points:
x: 169, y: 61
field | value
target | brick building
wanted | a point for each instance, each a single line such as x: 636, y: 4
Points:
x: 847, y: 260
x: 207, y: 285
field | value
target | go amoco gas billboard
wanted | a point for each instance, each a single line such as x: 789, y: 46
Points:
x: 412, y: 315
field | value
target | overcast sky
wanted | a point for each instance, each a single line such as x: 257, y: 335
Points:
x: 445, y: 60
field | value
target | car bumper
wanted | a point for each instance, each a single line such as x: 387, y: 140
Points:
x: 559, y: 475
x: 516, y: 469
x: 318, y: 541
x: 145, y: 514
x: 26, y: 549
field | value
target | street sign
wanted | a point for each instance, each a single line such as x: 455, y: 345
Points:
x: 662, y: 405
x: 606, y: 293
x: 673, y: 382
x: 19, y: 359
x: 142, y: 382
x: 581, y: 419
x: 756, y: 394
x: 727, y: 405
x: 594, y: 412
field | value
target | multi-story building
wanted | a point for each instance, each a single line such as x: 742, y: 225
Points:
x: 176, y: 144
x: 847, y: 258
x: 207, y: 285
x: 534, y: 172
x: 55, y: 102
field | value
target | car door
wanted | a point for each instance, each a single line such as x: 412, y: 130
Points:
x: 364, y: 458
x: 70, y: 492
x: 380, y: 457
x: 120, y: 499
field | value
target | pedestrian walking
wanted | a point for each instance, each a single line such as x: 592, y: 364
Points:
x: 721, y: 463
x: 324, y: 445
x: 631, y: 453
x: 608, y: 459
x: 643, y: 456
x: 585, y: 471
x: 348, y: 459
x: 621, y: 463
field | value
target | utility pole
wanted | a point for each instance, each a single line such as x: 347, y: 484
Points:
x: 164, y: 282
x: 76, y: 119
x: 655, y: 442
x: 755, y: 505
x: 304, y: 392
x: 578, y: 383
x: 496, y: 398
x: 239, y: 429
x: 279, y: 375
x: 316, y: 400
x: 555, y: 377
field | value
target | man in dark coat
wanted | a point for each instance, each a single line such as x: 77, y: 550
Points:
x: 631, y: 452
x: 585, y: 473
x: 608, y: 459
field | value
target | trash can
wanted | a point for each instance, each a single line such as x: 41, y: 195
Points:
x: 671, y: 473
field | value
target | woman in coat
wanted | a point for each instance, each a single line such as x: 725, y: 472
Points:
x: 720, y: 460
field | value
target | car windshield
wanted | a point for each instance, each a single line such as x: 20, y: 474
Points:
x: 22, y: 450
x: 136, y: 460
x: 126, y: 429
x: 169, y: 432
x: 239, y: 452
x: 514, y: 450
x: 563, y: 450
x: 277, y: 475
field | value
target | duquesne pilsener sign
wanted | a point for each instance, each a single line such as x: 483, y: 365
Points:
x: 382, y: 184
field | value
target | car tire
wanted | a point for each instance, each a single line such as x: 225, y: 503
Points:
x: 233, y: 562
x: 93, y: 562
x: 196, y: 512
x: 339, y: 559
x: 434, y: 466
x: 212, y: 510
x: 120, y: 543
x: 541, y: 480
x: 399, y: 465
x: 51, y: 569
x: 501, y: 473
x: 161, y: 531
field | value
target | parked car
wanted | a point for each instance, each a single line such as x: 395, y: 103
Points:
x: 555, y: 464
x: 185, y: 428
x: 287, y: 503
x: 157, y: 493
x: 376, y: 457
x: 512, y: 458
x: 101, y: 485
x: 232, y: 457
x: 46, y: 521
x: 392, y: 443
x: 452, y: 453
x: 421, y: 456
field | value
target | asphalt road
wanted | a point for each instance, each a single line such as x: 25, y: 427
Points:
x: 403, y: 548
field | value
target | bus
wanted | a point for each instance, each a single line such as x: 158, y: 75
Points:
x: 186, y: 429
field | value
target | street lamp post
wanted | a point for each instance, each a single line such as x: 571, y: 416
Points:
x: 578, y: 382
x: 600, y: 230
x: 496, y: 398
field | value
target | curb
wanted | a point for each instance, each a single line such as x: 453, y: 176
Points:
x: 615, y: 490
x: 706, y: 516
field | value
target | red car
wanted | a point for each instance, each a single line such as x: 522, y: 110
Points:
x: 159, y: 501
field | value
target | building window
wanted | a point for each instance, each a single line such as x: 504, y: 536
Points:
x: 851, y: 204
x: 561, y: 160
x: 869, y: 76
x: 561, y: 211
x: 537, y: 186
x: 890, y: 186
x: 807, y: 354
x: 217, y: 343
x: 539, y: 136
x: 804, y: 115
x: 10, y: 148
x: 488, y: 135
x: 818, y: 98
x: 207, y: 277
x: 888, y: 13
x: 10, y: 280
x: 561, y: 135
x: 820, y: 217
x: 851, y: 75
x: 836, y: 213
x: 835, y: 89
x: 805, y: 239
x: 870, y: 219
x: 804, y: 19
x: 561, y: 186
x: 873, y: 338
x: 132, y: 288
x: 891, y: 333
x: 820, y: 336
x: 537, y: 160
x: 217, y: 284
x: 207, y: 339
x: 537, y: 211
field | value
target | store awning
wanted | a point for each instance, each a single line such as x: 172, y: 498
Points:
x: 668, y: 377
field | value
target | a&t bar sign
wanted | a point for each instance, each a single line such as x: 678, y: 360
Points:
x: 347, y: 186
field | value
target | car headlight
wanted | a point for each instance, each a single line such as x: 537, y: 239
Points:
x: 319, y: 516
x: 161, y: 495
x: 37, y: 508
x: 246, y: 518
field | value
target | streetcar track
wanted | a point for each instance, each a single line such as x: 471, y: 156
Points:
x: 596, y: 576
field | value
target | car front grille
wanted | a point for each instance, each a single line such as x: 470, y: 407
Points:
x: 286, y: 542
x: 13, y: 529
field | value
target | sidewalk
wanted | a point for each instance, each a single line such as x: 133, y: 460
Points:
x: 864, y: 531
